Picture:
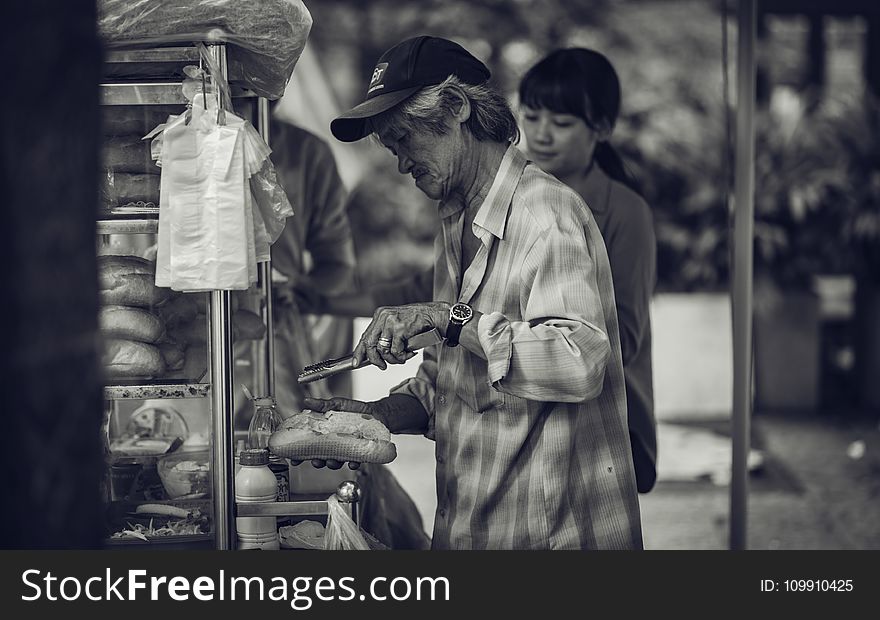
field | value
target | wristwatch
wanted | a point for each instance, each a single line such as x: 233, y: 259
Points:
x: 459, y: 315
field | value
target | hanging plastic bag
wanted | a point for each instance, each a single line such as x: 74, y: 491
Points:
x: 205, y: 223
x: 269, y: 197
x: 213, y: 227
x: 341, y: 531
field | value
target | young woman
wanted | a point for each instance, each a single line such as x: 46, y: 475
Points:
x: 570, y: 101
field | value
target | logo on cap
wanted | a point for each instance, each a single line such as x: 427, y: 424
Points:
x: 376, y: 80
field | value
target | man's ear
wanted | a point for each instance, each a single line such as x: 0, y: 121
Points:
x: 461, y: 106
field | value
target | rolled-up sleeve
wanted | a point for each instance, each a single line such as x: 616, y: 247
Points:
x: 560, y: 349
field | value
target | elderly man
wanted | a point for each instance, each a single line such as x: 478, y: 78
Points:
x: 525, y: 398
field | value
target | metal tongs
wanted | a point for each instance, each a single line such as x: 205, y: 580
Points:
x: 328, y: 368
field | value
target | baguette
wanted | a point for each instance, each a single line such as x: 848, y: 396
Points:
x: 127, y: 359
x: 130, y: 323
x: 129, y: 281
x: 338, y: 435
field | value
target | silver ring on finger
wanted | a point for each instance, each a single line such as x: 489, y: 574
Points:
x: 383, y: 343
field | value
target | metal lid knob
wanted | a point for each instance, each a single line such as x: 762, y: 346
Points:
x: 348, y: 492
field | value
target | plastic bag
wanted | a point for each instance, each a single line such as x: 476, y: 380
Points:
x: 266, y: 37
x: 205, y: 232
x: 341, y: 531
x: 272, y: 206
x: 212, y: 230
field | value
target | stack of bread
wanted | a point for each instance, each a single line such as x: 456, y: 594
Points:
x: 153, y: 332
x: 131, y: 177
x: 129, y: 320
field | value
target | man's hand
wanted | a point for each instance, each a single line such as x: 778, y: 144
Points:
x: 338, y: 404
x: 385, y: 339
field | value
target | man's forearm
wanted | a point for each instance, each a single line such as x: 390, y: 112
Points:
x: 402, y: 414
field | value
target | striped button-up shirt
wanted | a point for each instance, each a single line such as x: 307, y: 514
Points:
x: 531, y: 443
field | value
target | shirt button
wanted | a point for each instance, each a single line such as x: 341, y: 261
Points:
x: 443, y: 512
x: 442, y: 399
x: 439, y: 458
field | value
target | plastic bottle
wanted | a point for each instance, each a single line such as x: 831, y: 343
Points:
x: 256, y: 483
x: 267, y: 420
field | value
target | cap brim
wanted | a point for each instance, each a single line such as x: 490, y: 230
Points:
x: 352, y: 125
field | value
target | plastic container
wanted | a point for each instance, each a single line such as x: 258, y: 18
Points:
x: 186, y: 474
x: 255, y: 483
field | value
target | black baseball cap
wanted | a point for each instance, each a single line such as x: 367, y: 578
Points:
x: 402, y: 71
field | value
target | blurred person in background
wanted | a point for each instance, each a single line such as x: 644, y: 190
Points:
x: 314, y: 256
x: 569, y: 102
x: 525, y: 398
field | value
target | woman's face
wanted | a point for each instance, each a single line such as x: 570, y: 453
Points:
x: 561, y: 144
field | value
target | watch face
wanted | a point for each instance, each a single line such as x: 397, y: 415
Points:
x: 461, y: 312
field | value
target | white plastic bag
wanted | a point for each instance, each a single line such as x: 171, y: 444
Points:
x: 205, y: 215
x: 341, y: 531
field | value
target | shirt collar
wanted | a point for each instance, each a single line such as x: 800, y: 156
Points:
x: 492, y: 215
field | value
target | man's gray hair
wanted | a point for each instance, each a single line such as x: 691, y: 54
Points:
x: 491, y: 118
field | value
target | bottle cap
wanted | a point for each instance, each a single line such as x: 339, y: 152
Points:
x: 264, y: 401
x: 254, y: 456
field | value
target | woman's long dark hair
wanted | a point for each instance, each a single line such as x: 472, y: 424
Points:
x: 583, y: 83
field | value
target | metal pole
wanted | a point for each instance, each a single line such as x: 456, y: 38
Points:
x: 744, y: 176
x: 222, y: 399
x: 267, y: 370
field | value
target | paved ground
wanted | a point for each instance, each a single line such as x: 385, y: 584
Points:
x: 819, y: 488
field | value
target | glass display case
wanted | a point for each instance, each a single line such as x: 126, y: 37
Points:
x: 175, y: 362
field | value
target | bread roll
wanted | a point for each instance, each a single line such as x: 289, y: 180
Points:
x: 129, y: 281
x: 130, y: 323
x: 130, y: 359
x: 112, y: 265
x: 339, y: 435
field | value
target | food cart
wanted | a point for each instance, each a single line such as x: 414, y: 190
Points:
x: 175, y: 360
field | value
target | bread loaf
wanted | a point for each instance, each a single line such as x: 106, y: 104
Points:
x: 130, y: 323
x: 125, y: 359
x: 129, y: 281
x: 339, y: 435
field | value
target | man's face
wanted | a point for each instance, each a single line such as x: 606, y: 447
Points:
x: 431, y: 159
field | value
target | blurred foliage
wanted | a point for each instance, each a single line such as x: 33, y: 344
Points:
x: 672, y: 132
x: 856, y: 127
